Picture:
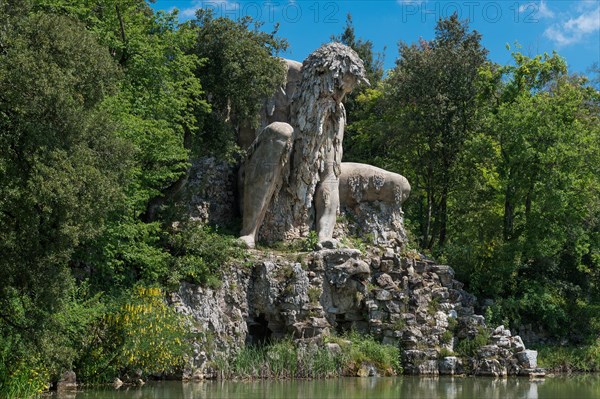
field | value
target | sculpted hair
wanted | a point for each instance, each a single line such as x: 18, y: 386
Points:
x: 318, y: 117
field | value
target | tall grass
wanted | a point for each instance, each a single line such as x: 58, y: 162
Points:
x: 285, y: 359
x: 570, y: 359
x: 20, y: 378
x: 23, y: 383
x: 364, y: 349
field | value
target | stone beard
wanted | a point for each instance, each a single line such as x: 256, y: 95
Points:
x: 315, y: 171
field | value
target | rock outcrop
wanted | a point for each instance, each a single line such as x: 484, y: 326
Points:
x: 209, y: 195
x: 67, y: 382
x: 217, y: 320
x: 401, y: 300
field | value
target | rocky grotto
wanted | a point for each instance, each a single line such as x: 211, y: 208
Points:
x: 293, y: 182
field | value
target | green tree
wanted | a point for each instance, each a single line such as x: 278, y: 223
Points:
x: 239, y: 71
x: 368, y: 126
x: 159, y: 109
x: 433, y: 100
x: 62, y: 166
x: 526, y: 220
x: 364, y: 48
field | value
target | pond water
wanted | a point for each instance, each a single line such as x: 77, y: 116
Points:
x: 563, y: 387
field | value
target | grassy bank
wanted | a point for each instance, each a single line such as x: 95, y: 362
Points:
x: 341, y: 356
x: 570, y: 359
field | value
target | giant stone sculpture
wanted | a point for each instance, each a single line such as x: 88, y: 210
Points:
x: 291, y: 176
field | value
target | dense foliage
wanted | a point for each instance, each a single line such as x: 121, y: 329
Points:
x: 104, y: 103
x: 101, y: 106
x: 504, y: 162
x: 238, y: 72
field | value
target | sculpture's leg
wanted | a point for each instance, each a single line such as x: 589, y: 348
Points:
x: 327, y: 200
x: 262, y: 176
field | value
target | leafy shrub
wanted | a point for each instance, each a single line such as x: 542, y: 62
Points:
x: 29, y: 363
x: 546, y: 305
x: 314, y: 294
x: 140, y: 333
x: 358, y: 349
x: 199, y: 254
x: 364, y: 349
x: 446, y: 337
x: 445, y: 352
x: 453, y: 323
x: 284, y: 359
x: 311, y: 241
x: 468, y: 347
x: 277, y: 360
x: 27, y: 378
x: 399, y: 324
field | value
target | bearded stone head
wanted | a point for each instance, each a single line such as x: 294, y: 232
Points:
x: 334, y: 69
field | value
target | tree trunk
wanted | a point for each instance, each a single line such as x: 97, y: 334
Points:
x: 508, y: 211
x: 427, y: 222
x: 528, y: 199
x: 443, y: 215
x: 123, y: 58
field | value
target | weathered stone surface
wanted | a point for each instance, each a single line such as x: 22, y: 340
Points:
x: 372, y: 197
x: 428, y: 367
x: 280, y: 195
x: 208, y: 194
x: 338, y: 290
x: 386, y: 281
x: 517, y: 344
x: 488, y: 351
x: 500, y: 330
x: 276, y: 108
x: 491, y: 367
x: 445, y: 273
x: 216, y: 316
x: 383, y: 295
x: 527, y: 359
x: 450, y: 365
x: 68, y: 382
x: 366, y: 370
x: 502, y: 342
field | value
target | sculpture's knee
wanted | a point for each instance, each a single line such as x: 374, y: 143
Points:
x: 269, y: 151
x: 277, y: 132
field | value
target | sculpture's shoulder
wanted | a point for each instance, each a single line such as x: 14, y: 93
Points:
x: 294, y: 70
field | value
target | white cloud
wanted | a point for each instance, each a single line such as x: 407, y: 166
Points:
x: 539, y: 9
x: 585, y: 23
x: 585, y: 5
x: 187, y: 13
x: 575, y: 29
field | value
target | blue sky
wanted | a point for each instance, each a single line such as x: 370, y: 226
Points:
x: 572, y: 28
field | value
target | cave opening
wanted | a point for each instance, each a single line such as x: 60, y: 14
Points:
x: 259, y: 333
x: 342, y: 326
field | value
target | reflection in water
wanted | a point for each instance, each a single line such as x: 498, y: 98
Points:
x: 580, y: 387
